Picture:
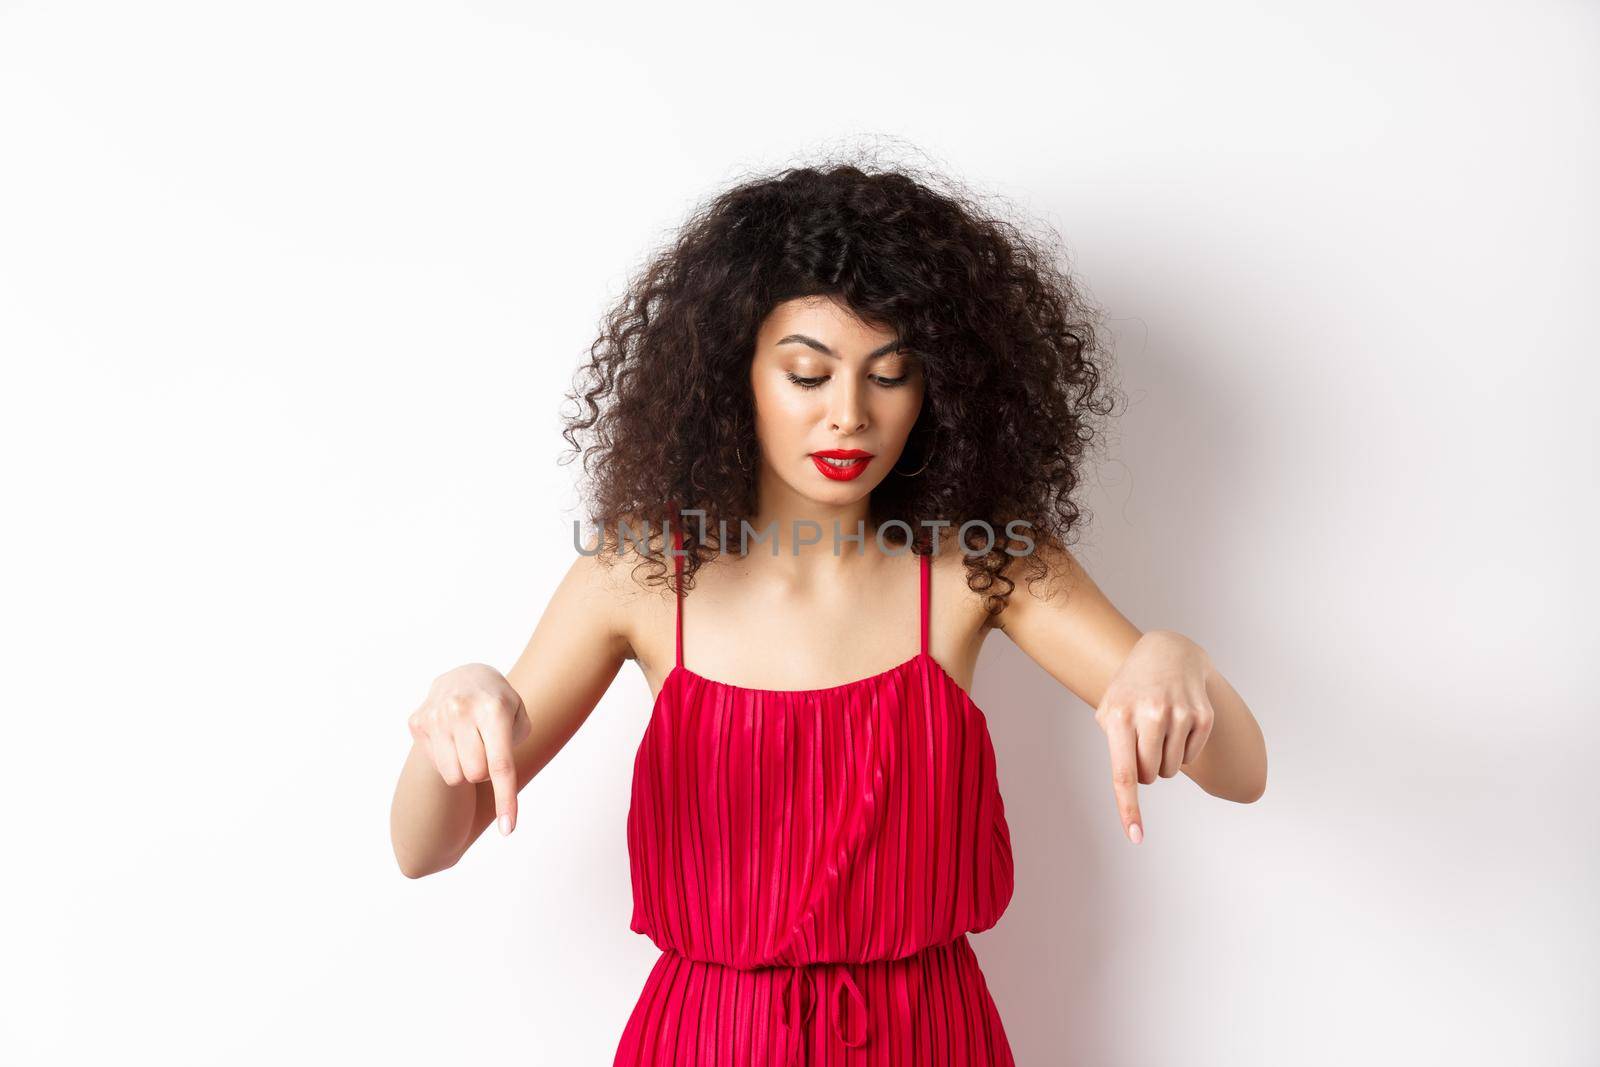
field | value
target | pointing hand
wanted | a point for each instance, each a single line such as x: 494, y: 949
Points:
x: 1156, y: 717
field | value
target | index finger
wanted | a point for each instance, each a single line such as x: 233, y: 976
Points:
x: 1123, y: 741
x: 497, y: 748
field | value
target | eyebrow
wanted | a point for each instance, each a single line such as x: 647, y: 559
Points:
x: 812, y: 342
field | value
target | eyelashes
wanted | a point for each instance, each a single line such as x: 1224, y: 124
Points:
x: 812, y: 383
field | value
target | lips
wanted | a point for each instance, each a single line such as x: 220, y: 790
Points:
x: 841, y: 464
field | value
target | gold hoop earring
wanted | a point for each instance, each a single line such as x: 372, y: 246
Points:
x: 920, y: 469
x: 742, y: 465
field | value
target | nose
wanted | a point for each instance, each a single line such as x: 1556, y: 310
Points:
x: 846, y: 409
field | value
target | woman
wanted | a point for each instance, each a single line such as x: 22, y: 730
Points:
x: 898, y: 390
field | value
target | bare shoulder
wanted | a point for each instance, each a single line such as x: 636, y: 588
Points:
x: 1048, y: 572
x: 627, y: 579
x: 953, y: 595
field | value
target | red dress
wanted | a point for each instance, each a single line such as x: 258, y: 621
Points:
x: 810, y: 863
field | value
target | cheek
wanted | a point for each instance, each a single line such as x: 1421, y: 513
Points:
x: 902, y: 408
x: 781, y: 408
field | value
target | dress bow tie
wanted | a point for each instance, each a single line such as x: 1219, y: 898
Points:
x: 793, y: 1016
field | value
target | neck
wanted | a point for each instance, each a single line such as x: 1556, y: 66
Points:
x: 803, y: 527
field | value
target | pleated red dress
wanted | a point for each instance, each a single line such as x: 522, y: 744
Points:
x: 810, y: 863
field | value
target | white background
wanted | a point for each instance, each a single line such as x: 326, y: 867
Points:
x: 289, y: 294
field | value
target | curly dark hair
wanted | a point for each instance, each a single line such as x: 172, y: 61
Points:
x: 1015, y: 383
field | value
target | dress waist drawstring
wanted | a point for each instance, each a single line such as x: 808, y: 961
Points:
x: 793, y: 998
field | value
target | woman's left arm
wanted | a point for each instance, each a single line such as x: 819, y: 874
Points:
x: 1162, y: 703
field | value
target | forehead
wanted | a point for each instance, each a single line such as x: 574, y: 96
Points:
x: 827, y: 319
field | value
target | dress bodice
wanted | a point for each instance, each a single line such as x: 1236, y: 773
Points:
x: 858, y: 822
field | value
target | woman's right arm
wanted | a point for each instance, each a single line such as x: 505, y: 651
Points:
x: 479, y: 737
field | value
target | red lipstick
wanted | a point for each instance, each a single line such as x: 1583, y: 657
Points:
x: 847, y: 463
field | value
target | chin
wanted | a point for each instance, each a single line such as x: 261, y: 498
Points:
x: 833, y: 493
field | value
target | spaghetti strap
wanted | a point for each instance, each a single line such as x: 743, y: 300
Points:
x: 923, y: 609
x: 677, y: 567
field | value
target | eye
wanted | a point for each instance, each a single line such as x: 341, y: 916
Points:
x: 812, y: 383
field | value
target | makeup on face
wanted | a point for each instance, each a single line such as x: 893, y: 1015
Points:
x: 834, y: 386
x: 841, y: 464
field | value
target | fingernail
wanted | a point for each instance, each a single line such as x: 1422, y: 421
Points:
x: 1135, y: 832
x: 505, y: 825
